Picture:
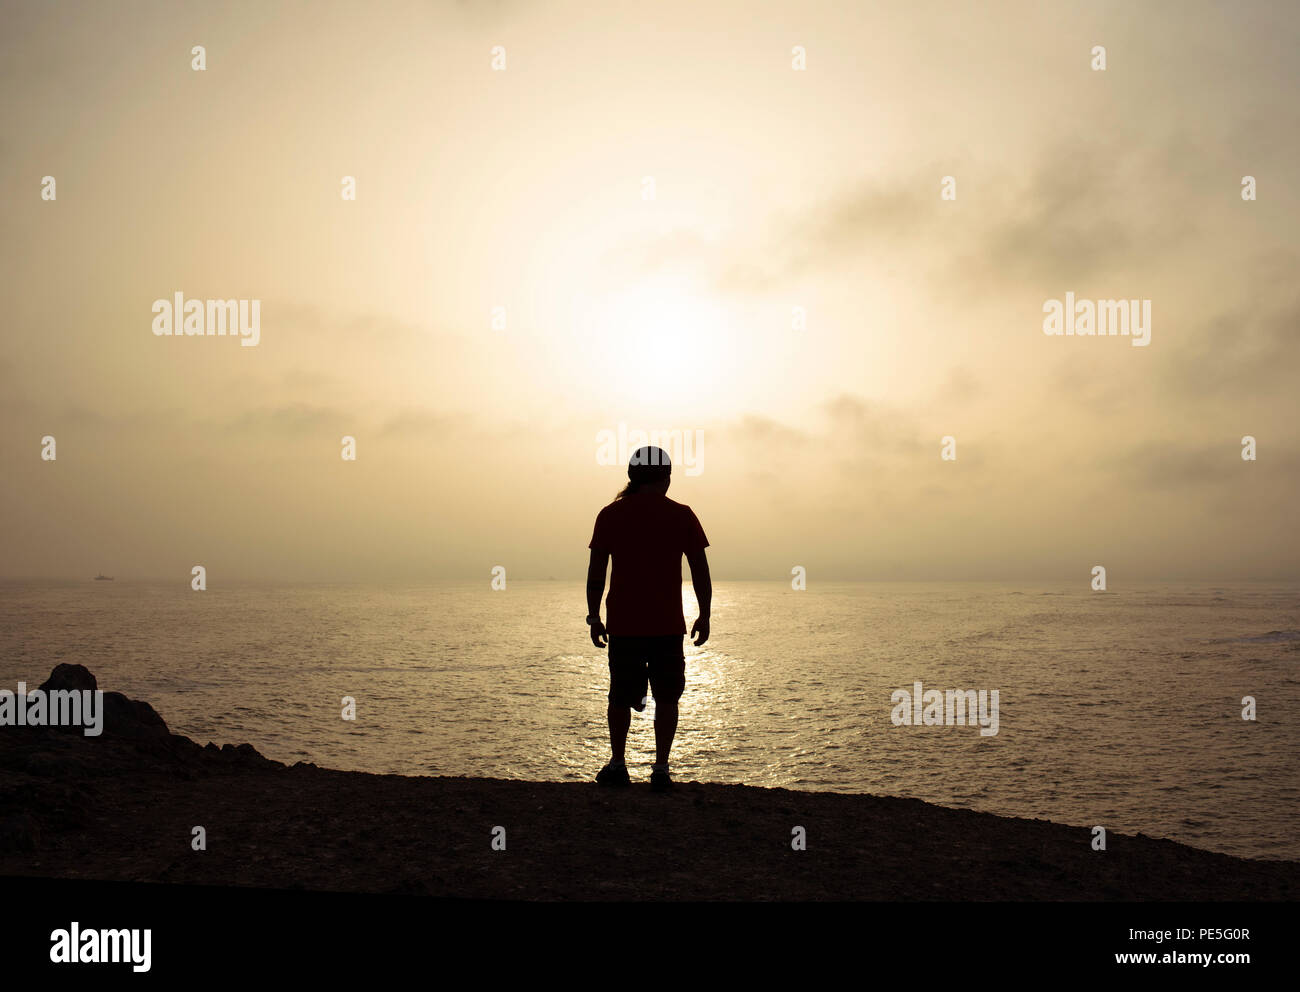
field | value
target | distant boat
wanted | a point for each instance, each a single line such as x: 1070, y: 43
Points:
x: 101, y: 577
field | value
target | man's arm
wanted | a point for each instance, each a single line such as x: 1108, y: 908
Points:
x: 596, y: 592
x: 703, y: 593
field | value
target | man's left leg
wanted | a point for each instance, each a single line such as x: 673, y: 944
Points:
x: 667, y: 681
x: 665, y: 730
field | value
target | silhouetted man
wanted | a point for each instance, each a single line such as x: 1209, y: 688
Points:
x: 646, y: 533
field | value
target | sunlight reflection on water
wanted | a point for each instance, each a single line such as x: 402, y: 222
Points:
x: 1121, y: 709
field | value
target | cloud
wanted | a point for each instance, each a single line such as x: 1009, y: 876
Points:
x: 756, y: 429
x: 1183, y: 466
x: 1083, y: 210
x: 1251, y: 349
x: 291, y: 419
x: 422, y: 424
x: 863, y: 425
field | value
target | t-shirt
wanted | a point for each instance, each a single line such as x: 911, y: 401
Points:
x: 646, y: 534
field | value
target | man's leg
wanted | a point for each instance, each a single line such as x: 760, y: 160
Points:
x: 620, y: 718
x: 665, y: 729
x: 668, y: 680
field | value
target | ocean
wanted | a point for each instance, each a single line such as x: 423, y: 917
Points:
x: 1121, y: 709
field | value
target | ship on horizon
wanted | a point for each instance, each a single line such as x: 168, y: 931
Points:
x: 101, y: 577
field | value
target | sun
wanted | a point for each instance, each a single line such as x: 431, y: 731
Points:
x: 659, y: 343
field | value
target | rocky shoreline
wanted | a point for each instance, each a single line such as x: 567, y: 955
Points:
x: 124, y: 806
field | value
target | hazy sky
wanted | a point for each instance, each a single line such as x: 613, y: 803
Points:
x: 773, y: 189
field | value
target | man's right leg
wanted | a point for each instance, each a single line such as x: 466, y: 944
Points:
x: 620, y: 719
x: 627, y: 688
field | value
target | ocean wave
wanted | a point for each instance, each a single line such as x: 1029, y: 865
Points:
x: 1272, y: 637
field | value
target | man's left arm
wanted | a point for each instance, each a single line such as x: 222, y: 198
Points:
x: 696, y: 542
x: 703, y: 586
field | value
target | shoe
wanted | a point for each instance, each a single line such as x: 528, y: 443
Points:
x: 660, y: 781
x: 610, y: 775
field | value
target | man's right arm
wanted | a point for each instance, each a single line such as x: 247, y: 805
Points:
x: 595, y: 592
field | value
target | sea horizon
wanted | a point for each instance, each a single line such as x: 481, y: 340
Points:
x: 1121, y: 709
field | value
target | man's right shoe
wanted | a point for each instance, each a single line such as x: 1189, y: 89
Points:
x: 660, y: 780
x: 612, y: 775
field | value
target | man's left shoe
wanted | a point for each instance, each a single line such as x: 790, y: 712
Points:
x: 660, y: 780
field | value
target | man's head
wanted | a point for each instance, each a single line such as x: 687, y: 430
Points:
x: 648, y: 471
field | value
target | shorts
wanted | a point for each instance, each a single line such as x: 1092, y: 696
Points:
x: 636, y: 661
